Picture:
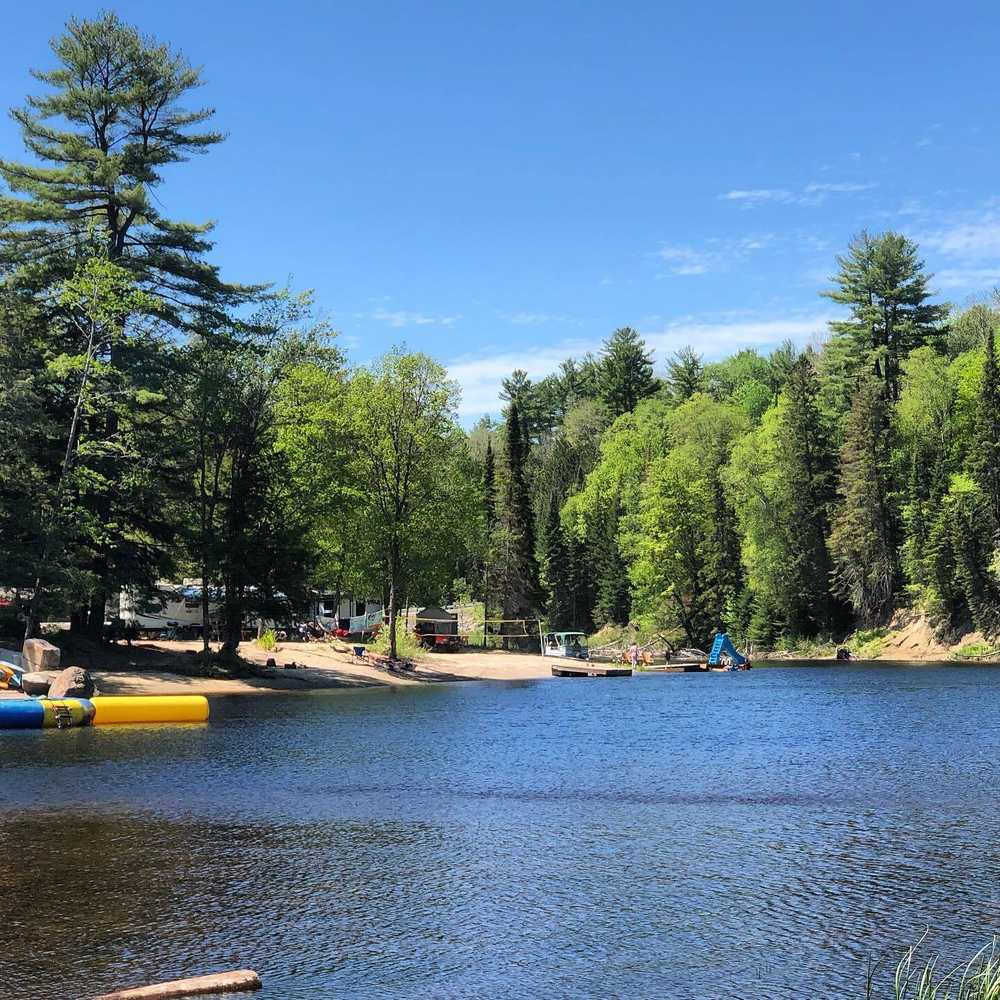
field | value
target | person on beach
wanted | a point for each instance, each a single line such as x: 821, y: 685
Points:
x: 633, y: 655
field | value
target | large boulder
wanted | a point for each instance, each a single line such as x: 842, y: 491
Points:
x: 38, y: 681
x: 73, y: 682
x: 38, y: 654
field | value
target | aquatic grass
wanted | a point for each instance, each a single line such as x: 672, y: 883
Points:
x: 978, y: 979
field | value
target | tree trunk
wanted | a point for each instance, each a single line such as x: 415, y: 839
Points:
x: 486, y: 603
x: 233, y: 618
x: 206, y: 649
x: 95, y: 621
x: 393, y: 595
x: 34, y: 610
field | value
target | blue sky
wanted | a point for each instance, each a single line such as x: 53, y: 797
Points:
x: 502, y: 184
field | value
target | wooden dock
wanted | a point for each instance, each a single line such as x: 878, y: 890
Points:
x: 585, y: 668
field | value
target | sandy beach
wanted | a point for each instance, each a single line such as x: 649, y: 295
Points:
x: 160, y: 667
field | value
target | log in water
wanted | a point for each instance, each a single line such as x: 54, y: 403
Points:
x: 223, y: 982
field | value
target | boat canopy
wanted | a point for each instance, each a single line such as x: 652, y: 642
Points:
x: 565, y: 638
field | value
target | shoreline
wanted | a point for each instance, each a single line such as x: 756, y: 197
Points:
x: 170, y: 667
x: 164, y: 667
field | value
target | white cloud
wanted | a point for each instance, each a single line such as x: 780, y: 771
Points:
x: 968, y: 278
x: 843, y: 188
x: 716, y: 339
x: 398, y: 318
x: 967, y: 239
x: 751, y: 196
x: 534, y: 318
x: 813, y: 193
x: 715, y: 254
x: 686, y: 260
x: 481, y: 376
x: 966, y: 245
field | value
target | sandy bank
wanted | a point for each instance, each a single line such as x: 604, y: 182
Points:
x: 909, y: 638
x: 161, y: 667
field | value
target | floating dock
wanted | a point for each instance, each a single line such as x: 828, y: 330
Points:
x: 586, y: 668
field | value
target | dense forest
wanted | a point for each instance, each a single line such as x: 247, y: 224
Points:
x: 159, y: 422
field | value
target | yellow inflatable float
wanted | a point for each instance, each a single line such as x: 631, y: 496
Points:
x: 111, y: 710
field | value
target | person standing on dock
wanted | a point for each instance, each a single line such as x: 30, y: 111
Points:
x: 633, y: 655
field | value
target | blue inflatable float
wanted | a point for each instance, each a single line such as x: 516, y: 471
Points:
x: 45, y: 713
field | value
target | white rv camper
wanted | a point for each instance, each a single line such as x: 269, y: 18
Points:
x: 173, y: 607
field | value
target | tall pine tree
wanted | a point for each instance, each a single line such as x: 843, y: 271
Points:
x: 685, y: 374
x: 613, y: 597
x: 986, y: 453
x: 558, y: 574
x: 808, y: 463
x: 99, y: 140
x: 882, y: 280
x: 516, y: 575
x: 489, y: 519
x: 626, y: 372
x: 863, y: 540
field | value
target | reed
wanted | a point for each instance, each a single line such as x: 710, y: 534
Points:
x: 922, y: 979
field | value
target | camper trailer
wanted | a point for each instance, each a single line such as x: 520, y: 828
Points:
x: 173, y: 608
x: 346, y: 614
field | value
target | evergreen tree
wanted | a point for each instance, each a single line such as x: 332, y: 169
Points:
x: 626, y: 372
x: 723, y: 569
x: 581, y: 584
x: 100, y: 142
x: 685, y: 374
x: 489, y: 519
x: 986, y: 452
x: 864, y: 532
x: 35, y: 412
x: 973, y: 541
x: 808, y: 465
x: 516, y: 576
x: 489, y: 486
x: 781, y: 363
x: 520, y: 392
x: 578, y: 380
x: 613, y: 596
x: 882, y: 280
x: 517, y: 496
x: 558, y: 574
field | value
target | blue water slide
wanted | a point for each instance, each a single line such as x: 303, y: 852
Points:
x: 723, y: 644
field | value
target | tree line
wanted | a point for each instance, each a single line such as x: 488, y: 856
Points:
x: 802, y: 493
x: 158, y: 421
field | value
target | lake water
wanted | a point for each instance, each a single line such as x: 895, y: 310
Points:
x: 680, y: 836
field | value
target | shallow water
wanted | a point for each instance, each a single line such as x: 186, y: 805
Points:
x: 711, y: 836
